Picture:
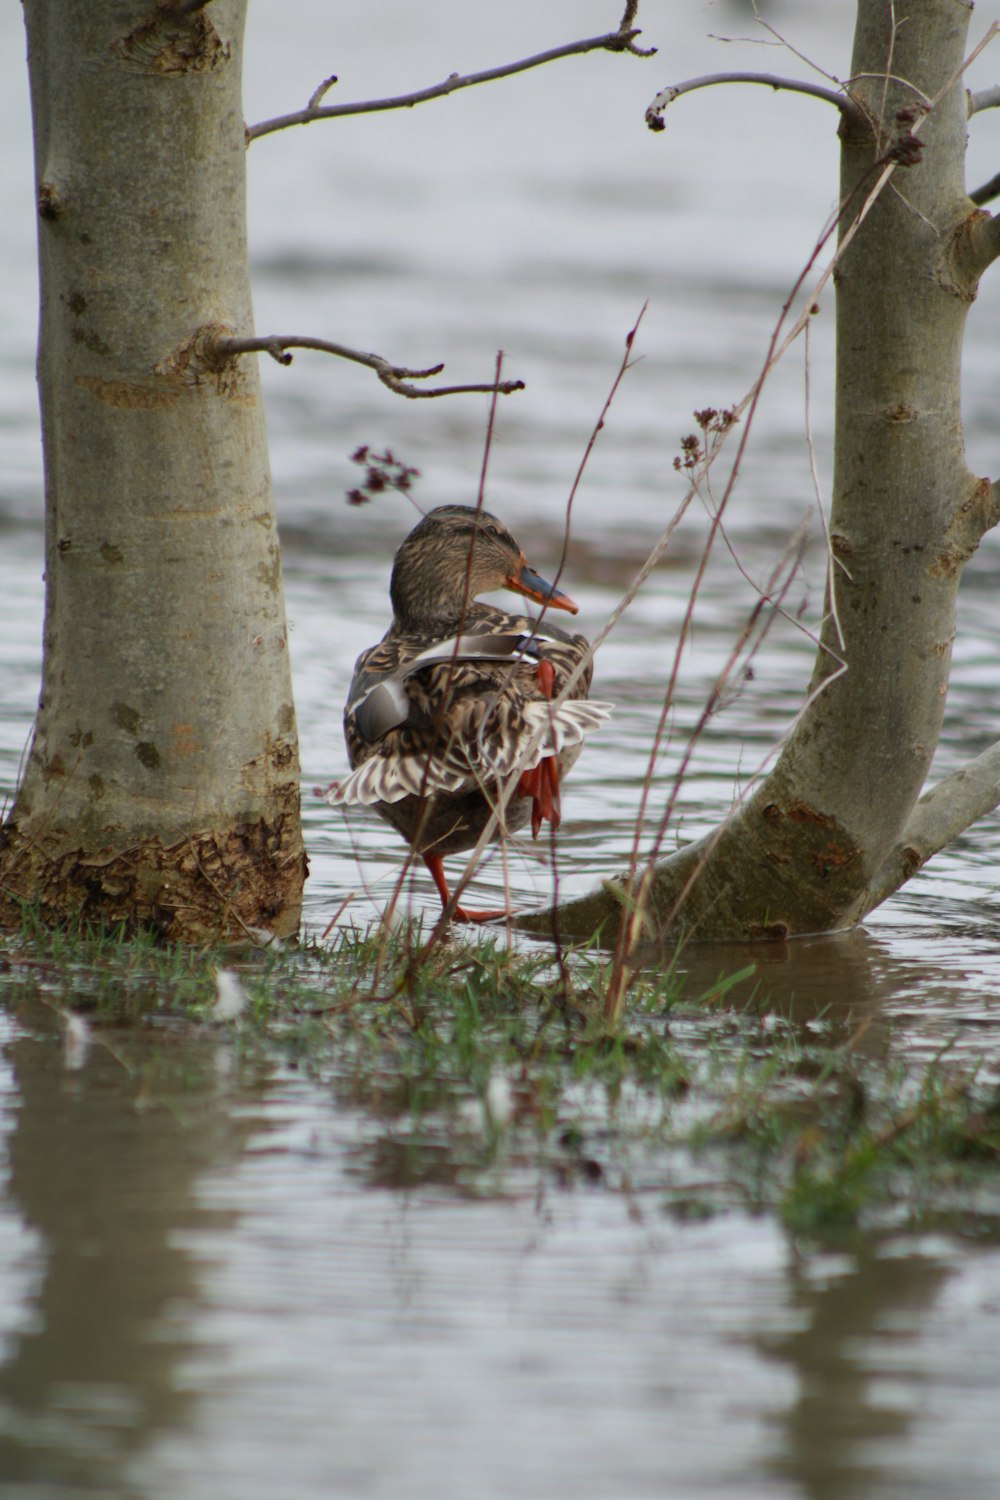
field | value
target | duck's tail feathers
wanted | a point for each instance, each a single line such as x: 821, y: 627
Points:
x: 391, y: 778
x: 554, y: 731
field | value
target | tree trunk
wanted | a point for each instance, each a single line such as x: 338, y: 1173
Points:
x: 810, y: 849
x: 161, y: 788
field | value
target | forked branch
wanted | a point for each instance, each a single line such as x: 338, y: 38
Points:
x: 622, y: 40
x: 220, y: 347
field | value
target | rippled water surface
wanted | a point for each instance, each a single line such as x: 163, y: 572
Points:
x: 210, y: 1284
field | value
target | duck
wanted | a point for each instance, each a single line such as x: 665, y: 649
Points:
x: 465, y: 714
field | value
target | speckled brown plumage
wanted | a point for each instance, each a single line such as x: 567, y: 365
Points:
x: 465, y: 720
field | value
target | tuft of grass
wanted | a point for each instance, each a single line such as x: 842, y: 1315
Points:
x: 487, y: 1068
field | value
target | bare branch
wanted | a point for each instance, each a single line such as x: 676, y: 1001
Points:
x: 654, y: 114
x: 987, y: 192
x: 940, y: 816
x: 984, y: 99
x: 622, y: 40
x: 221, y: 347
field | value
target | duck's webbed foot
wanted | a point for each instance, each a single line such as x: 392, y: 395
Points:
x: 435, y: 865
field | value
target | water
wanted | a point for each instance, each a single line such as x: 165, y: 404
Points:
x: 208, y: 1287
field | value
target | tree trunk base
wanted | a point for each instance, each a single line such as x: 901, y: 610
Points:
x: 207, y: 888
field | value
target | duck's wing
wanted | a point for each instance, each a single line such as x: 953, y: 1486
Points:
x: 495, y: 751
x: 444, y: 717
x: 383, y: 701
x: 390, y: 778
x: 548, y: 729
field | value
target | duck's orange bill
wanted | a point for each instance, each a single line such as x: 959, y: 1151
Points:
x: 526, y: 581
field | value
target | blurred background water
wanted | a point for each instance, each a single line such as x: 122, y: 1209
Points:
x: 380, y: 1344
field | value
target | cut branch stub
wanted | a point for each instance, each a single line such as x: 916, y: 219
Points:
x: 984, y: 99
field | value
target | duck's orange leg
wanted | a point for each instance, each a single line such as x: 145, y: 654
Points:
x: 435, y: 865
x: 541, y: 783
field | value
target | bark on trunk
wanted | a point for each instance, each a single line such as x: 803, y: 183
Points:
x: 162, y: 782
x: 809, y: 851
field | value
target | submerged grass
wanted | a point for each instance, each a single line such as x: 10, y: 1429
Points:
x: 492, y: 1069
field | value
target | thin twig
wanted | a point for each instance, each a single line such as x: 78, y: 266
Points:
x: 775, y: 352
x: 888, y: 165
x: 884, y: 76
x: 598, y: 427
x: 749, y: 404
x: 498, y: 801
x: 889, y: 74
x: 622, y: 40
x: 505, y: 793
x: 832, y: 561
x: 396, y: 377
x: 654, y: 114
x: 711, y: 507
x: 783, y: 41
x: 765, y: 611
x: 450, y: 907
x: 630, y: 929
x: 490, y: 425
x: 748, y: 643
x: 631, y: 895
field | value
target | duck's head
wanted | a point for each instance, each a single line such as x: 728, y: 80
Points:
x: 455, y: 554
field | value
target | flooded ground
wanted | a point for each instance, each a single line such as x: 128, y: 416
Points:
x: 215, y: 1279
x: 226, y: 1276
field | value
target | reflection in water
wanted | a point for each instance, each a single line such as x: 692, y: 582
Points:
x: 240, y: 1286
x: 868, y: 989
x: 860, y: 1388
x: 101, y: 1171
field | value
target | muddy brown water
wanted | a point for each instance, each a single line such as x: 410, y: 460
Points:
x: 216, y: 1279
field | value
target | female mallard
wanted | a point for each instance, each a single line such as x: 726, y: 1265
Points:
x: 458, y: 696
